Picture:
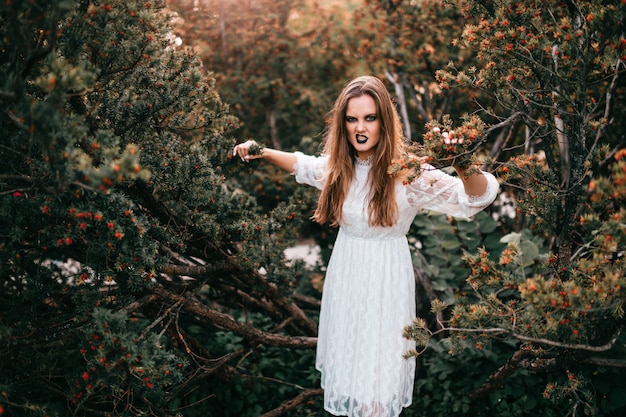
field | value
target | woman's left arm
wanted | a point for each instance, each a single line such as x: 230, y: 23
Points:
x: 461, y: 196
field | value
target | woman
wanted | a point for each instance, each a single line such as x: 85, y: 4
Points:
x: 368, y: 295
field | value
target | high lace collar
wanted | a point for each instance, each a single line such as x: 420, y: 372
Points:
x: 364, y: 162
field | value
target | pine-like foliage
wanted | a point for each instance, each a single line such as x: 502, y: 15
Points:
x: 138, y: 277
x: 550, y: 79
x: 121, y: 240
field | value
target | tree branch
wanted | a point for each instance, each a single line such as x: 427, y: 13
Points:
x: 519, y: 360
x: 227, y: 322
x: 607, y: 108
x: 306, y: 301
x: 496, y: 379
x: 509, y: 121
x: 540, y: 341
x: 253, y: 279
x: 197, y: 270
x: 272, y: 292
x: 608, y: 362
x: 293, y: 403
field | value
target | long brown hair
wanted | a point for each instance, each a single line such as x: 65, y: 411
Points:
x: 383, y: 210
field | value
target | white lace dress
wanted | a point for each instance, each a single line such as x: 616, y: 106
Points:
x: 369, y: 291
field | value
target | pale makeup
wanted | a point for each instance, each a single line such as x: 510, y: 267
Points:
x: 363, y: 125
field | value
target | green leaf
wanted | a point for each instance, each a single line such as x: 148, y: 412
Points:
x: 530, y: 252
x: 511, y: 237
x: 487, y: 225
x: 450, y: 244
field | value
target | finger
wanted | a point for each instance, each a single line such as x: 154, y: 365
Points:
x: 239, y: 151
x: 250, y: 157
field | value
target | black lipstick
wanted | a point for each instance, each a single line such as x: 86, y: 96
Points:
x: 361, y: 139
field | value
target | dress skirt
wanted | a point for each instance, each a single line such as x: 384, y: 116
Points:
x: 368, y: 299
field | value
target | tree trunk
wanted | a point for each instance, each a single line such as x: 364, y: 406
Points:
x: 400, y: 101
x: 270, y: 116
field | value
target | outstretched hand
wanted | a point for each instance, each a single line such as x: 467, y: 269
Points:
x: 248, y: 150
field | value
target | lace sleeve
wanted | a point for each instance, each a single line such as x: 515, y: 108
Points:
x: 435, y: 190
x: 310, y: 170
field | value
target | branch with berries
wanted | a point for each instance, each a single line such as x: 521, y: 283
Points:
x: 408, y: 168
x: 442, y: 146
x: 445, y: 145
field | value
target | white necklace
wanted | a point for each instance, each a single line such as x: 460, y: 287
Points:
x: 365, y: 162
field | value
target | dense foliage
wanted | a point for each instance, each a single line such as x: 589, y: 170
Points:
x: 143, y: 271
x: 116, y: 213
x: 556, y: 71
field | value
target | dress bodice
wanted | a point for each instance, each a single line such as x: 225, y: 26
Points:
x: 355, y: 215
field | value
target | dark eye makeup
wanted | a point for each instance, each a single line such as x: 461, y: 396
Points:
x: 369, y: 118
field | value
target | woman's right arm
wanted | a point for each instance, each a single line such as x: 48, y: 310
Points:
x: 284, y: 160
x: 307, y: 169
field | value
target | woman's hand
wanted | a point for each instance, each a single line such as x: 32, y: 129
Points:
x: 248, y: 150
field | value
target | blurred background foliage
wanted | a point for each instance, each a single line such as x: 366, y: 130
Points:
x: 144, y: 271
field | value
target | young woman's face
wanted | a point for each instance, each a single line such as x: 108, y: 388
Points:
x: 363, y: 125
